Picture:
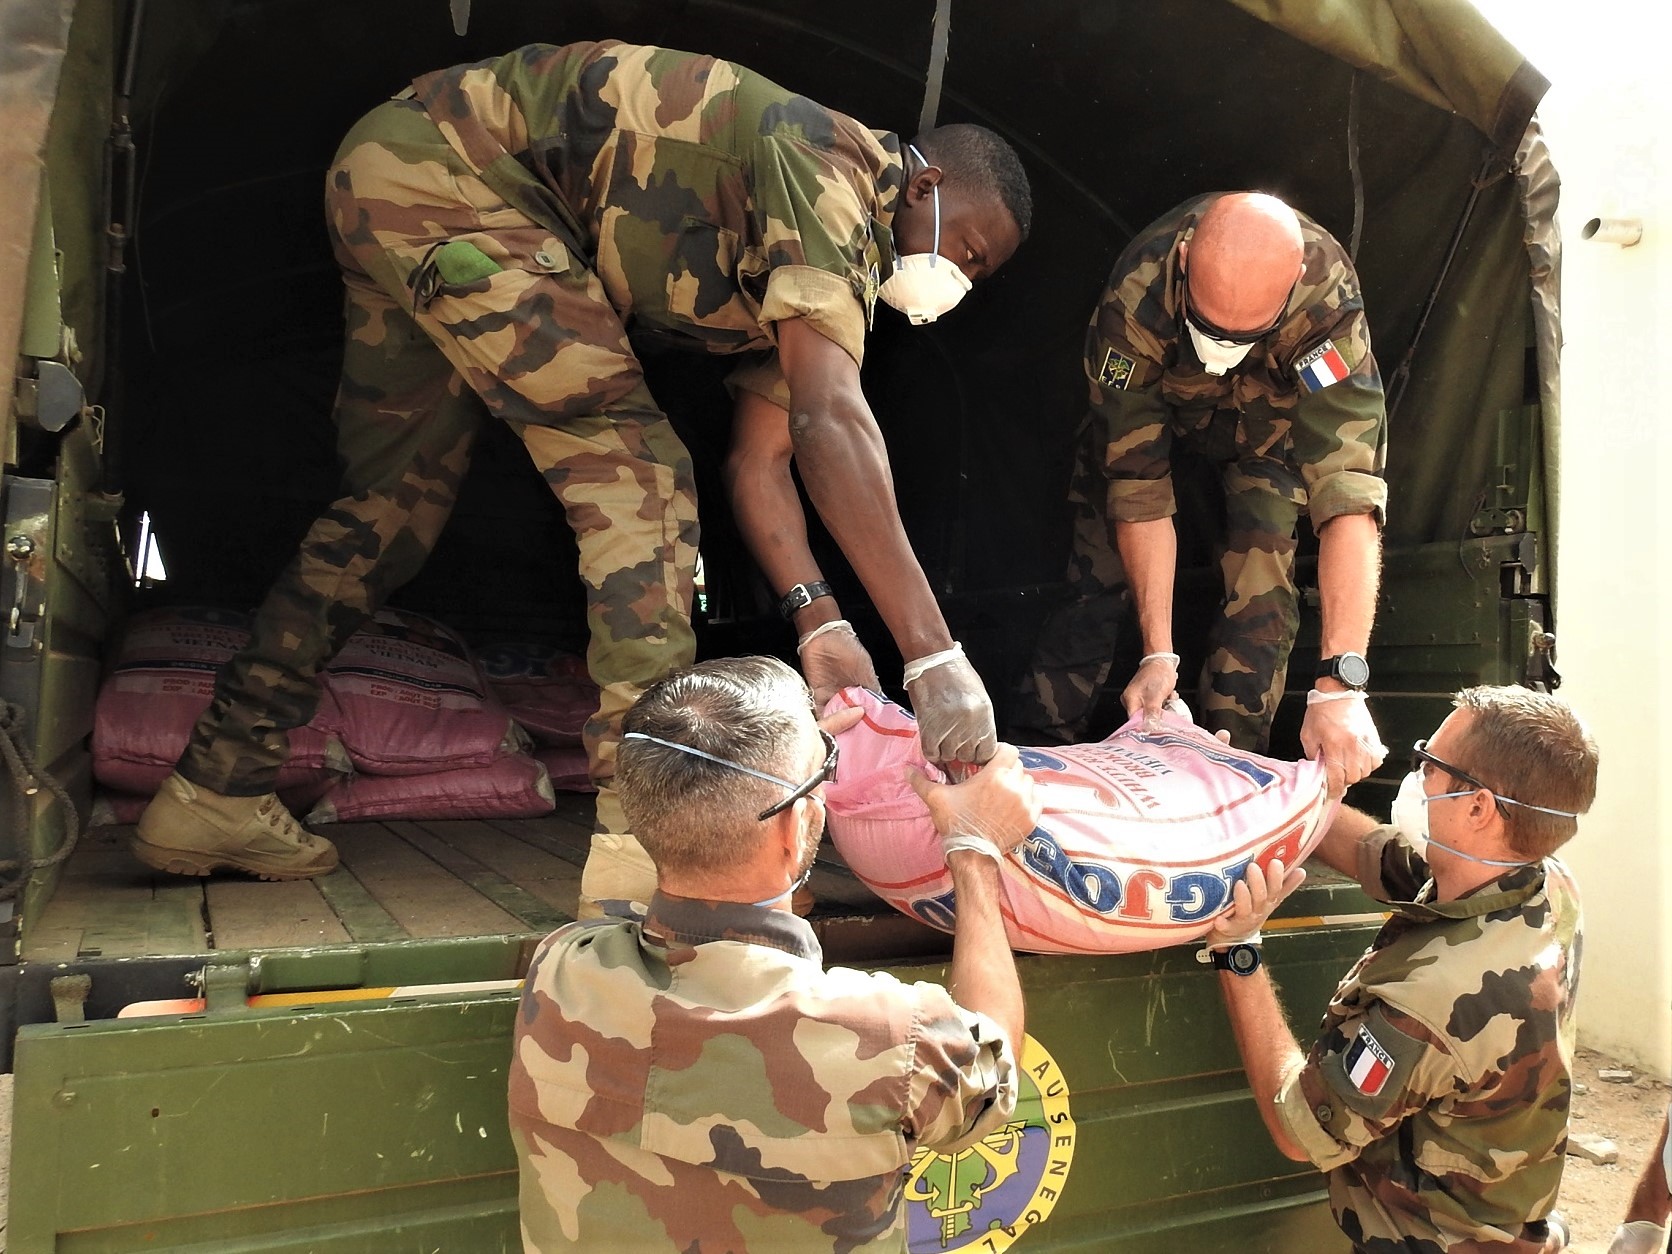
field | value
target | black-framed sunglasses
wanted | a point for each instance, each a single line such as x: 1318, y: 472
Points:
x: 1420, y: 756
x: 1193, y: 316
x: 825, y: 772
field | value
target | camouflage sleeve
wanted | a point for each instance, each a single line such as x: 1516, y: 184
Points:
x: 825, y: 300
x: 1123, y: 367
x: 763, y: 375
x: 1339, y: 430
x: 963, y: 1082
x: 1364, y: 1075
x: 1389, y: 869
x: 814, y: 229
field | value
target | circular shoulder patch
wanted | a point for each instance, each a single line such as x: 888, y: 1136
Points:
x: 986, y: 1196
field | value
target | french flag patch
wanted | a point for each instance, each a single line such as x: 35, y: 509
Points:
x: 1368, y: 1064
x: 1321, y: 367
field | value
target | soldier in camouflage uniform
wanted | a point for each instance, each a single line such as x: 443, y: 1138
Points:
x: 500, y: 228
x: 1287, y: 405
x: 1436, y: 1095
x: 699, y: 1081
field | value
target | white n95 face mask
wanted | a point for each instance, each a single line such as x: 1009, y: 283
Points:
x: 1410, y: 818
x: 925, y: 285
x: 1216, y: 356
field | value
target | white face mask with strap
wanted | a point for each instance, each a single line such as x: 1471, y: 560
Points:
x: 1410, y: 818
x: 924, y: 286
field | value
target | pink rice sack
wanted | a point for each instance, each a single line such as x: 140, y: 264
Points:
x: 1141, y: 839
x: 511, y: 787
x: 410, y: 700
x: 547, y: 691
x: 159, y: 681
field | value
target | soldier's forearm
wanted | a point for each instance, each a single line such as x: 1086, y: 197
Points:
x: 1349, y: 573
x: 1268, y: 1048
x: 983, y: 967
x: 845, y: 467
x: 1149, y: 552
x: 769, y: 517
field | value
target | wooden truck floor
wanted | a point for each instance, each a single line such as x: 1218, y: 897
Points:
x: 399, y: 880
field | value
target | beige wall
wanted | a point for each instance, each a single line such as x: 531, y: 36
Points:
x: 1608, y: 118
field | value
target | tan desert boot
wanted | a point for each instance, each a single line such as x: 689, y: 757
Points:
x: 187, y: 830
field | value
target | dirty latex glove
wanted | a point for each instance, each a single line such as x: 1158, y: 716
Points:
x: 832, y: 658
x: 990, y: 812
x: 1153, y: 688
x: 1638, y: 1237
x: 1252, y: 901
x: 1338, y: 728
x: 954, y: 716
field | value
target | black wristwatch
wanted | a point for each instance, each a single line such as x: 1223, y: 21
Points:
x: 1346, y: 668
x: 801, y: 596
x: 1238, y: 959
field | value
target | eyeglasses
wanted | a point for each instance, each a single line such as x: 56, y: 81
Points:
x: 825, y: 772
x: 797, y: 791
x: 1233, y: 338
x: 1420, y: 756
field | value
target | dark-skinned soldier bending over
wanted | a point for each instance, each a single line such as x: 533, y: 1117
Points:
x: 500, y: 227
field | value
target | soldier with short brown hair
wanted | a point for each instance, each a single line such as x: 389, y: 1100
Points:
x: 1436, y: 1095
x: 1233, y: 327
x: 501, y: 228
x: 699, y: 1080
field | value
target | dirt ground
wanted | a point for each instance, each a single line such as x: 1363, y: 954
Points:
x: 1594, y: 1197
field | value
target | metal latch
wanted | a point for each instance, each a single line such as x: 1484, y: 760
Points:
x: 19, y: 548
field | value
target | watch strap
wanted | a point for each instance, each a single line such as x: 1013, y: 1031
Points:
x: 801, y: 596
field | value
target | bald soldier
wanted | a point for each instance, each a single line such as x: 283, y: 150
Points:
x: 501, y: 228
x: 1232, y: 327
x: 700, y: 1081
x: 1436, y: 1094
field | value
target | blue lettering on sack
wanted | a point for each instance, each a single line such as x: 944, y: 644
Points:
x: 940, y: 911
x: 1191, y: 896
x: 1222, y: 757
x: 1034, y: 760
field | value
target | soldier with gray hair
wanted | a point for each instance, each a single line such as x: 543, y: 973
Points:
x: 699, y: 1080
x: 502, y: 229
x: 1436, y: 1095
x: 1232, y: 327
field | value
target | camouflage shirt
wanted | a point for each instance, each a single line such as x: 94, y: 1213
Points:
x: 1437, y: 1095
x: 1308, y: 393
x: 700, y: 1082
x: 710, y: 202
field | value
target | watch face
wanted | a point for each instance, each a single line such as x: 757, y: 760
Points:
x: 1352, y: 670
x: 1244, y: 959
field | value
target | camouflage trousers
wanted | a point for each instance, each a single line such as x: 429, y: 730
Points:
x: 1083, y: 647
x: 458, y: 303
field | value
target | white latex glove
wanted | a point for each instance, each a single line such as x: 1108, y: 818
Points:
x: 1638, y: 1237
x: 1340, y: 730
x: 997, y: 806
x: 954, y: 716
x: 832, y: 658
x: 1153, y: 688
x: 1252, y: 901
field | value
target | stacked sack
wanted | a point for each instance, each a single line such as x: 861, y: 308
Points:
x: 426, y: 736
x: 161, y: 678
x: 551, y: 695
x: 407, y: 727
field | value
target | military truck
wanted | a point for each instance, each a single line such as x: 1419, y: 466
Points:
x: 169, y: 330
